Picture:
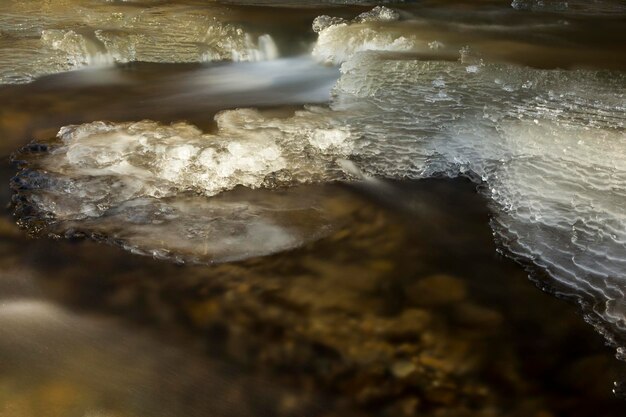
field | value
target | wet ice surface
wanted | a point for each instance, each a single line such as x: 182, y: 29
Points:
x: 547, y: 145
x: 539, y: 39
x: 147, y: 159
x: 38, y: 37
x: 187, y: 228
x: 135, y: 183
x: 340, y: 39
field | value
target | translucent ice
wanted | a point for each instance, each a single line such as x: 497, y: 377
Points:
x: 188, y: 228
x: 134, y: 183
x: 511, y: 36
x: 338, y: 39
x: 148, y: 159
x: 40, y: 37
x: 549, y: 148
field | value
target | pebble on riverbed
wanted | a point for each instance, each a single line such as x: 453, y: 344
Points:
x: 436, y: 290
x: 363, y: 322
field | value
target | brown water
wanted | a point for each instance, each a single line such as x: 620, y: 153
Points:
x: 389, y: 296
x: 399, y: 311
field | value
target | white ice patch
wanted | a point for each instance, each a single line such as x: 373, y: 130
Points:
x: 146, y: 186
x: 79, y: 50
x: 146, y: 159
x: 550, y: 147
x: 49, y: 37
x: 339, y: 39
x: 512, y: 38
x: 106, y: 48
x: 339, y: 43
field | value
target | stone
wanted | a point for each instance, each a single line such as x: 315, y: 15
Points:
x: 436, y: 290
x: 402, y: 369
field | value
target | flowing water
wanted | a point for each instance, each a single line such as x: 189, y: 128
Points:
x: 312, y: 208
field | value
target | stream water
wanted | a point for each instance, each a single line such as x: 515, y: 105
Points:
x: 312, y: 208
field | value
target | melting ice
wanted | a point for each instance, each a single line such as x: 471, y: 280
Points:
x: 39, y: 37
x: 135, y: 183
x: 548, y: 148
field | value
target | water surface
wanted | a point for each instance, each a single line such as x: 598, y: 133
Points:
x: 312, y: 208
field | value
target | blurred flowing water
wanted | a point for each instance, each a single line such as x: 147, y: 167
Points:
x: 312, y: 208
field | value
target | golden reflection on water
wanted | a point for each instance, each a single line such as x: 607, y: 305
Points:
x: 404, y: 309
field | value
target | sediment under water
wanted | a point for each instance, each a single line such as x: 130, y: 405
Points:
x: 276, y: 289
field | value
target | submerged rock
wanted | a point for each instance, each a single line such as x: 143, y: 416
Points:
x: 321, y: 319
x: 436, y: 290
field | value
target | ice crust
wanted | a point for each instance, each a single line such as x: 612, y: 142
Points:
x: 40, y: 37
x: 339, y: 39
x: 248, y: 149
x: 548, y: 148
x: 538, y: 39
x: 145, y: 186
x: 146, y: 159
x: 189, y: 228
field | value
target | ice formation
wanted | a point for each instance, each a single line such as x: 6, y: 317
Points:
x: 507, y: 36
x: 149, y: 159
x: 596, y: 7
x: 548, y: 148
x: 43, y: 38
x: 338, y: 39
x: 137, y: 182
x: 188, y: 228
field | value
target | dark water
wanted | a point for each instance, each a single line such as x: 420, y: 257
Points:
x: 391, y: 298
x: 401, y: 310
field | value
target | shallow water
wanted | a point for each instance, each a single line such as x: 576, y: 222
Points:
x: 312, y: 208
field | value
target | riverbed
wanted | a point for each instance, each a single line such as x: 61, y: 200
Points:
x: 332, y: 208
